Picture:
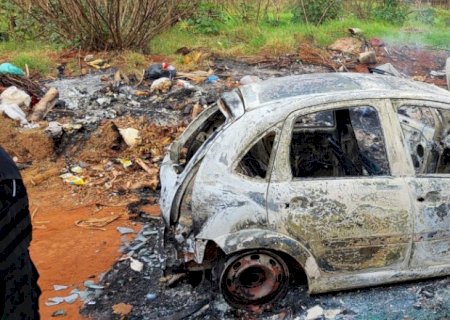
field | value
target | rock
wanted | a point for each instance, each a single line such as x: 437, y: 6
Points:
x: 136, y: 265
x: 355, y: 31
x: 130, y: 136
x: 314, y: 313
x: 103, y: 101
x: 59, y: 313
x: 332, y: 313
x: 347, y: 45
x: 249, y: 79
x: 150, y: 296
x: 368, y: 57
x: 89, y: 58
x: 161, y: 85
x: 54, y: 129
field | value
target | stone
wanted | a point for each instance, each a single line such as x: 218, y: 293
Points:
x: 347, y: 45
x: 314, y: 313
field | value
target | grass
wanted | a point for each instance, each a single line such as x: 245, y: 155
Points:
x: 35, y: 54
x: 234, y: 38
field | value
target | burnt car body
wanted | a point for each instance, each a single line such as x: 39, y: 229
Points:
x: 343, y: 176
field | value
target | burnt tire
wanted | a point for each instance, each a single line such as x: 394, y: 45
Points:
x: 254, y: 279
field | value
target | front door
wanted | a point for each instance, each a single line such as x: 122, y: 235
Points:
x: 334, y: 189
x: 426, y: 134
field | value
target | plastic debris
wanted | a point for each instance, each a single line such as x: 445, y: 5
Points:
x: 212, y: 79
x: 9, y: 68
x: 91, y: 285
x: 54, y: 301
x: 76, y: 169
x: 130, y: 136
x: 89, y: 58
x: 123, y: 230
x: 71, y: 299
x: 71, y: 127
x: 97, y: 223
x: 73, y: 180
x: 437, y: 74
x: 185, y: 84
x: 12, y: 95
x: 58, y: 287
x: 99, y: 64
x: 161, y: 85
x: 160, y: 70
x: 126, y: 163
x: 14, y: 112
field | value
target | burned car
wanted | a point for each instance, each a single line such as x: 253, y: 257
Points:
x: 342, y: 179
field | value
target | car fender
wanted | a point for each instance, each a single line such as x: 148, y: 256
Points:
x: 267, y: 239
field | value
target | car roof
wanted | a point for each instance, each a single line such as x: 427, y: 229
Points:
x: 257, y: 94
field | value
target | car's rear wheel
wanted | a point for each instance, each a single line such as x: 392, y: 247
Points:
x: 254, y: 279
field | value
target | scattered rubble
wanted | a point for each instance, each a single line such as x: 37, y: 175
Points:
x: 82, y: 129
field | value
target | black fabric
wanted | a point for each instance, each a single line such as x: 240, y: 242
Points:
x: 19, y: 291
x: 8, y: 169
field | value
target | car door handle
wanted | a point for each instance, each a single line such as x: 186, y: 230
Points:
x: 432, y: 196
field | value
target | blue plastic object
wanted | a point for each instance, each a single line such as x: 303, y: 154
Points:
x: 212, y: 79
x: 8, y: 68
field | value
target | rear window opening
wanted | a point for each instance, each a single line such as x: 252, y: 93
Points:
x: 199, y: 137
x: 255, y: 163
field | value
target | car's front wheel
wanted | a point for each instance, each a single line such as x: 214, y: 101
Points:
x: 253, y: 279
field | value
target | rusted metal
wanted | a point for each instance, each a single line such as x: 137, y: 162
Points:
x: 254, y: 278
x: 352, y: 218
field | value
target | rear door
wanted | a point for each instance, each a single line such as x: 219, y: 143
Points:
x: 336, y: 187
x: 426, y: 133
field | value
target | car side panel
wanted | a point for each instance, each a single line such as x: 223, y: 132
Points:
x: 224, y: 201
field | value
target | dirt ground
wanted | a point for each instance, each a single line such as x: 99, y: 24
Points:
x: 67, y: 254
x: 64, y: 253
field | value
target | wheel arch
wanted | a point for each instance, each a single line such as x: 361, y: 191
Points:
x: 252, y: 239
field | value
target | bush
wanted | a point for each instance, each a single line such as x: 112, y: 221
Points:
x: 316, y: 11
x: 393, y: 11
x: 207, y: 19
x: 107, y: 25
x: 425, y: 15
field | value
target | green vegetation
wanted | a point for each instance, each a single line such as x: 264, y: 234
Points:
x: 235, y: 38
x: 238, y: 28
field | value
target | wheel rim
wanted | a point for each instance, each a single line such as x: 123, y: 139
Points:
x: 254, y: 279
